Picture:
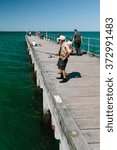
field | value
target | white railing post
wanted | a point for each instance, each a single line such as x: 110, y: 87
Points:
x: 88, y: 43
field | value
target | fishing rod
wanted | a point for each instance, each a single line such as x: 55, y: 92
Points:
x: 49, y: 53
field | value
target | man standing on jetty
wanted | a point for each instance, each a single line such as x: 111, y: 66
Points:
x: 64, y: 53
x: 77, y: 38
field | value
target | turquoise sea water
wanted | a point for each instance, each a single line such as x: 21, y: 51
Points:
x: 21, y: 125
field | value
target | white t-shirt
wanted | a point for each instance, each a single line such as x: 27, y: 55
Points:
x: 70, y: 44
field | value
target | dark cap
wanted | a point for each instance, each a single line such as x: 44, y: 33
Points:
x: 75, y: 30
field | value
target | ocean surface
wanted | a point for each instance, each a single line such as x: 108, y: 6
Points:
x: 21, y: 123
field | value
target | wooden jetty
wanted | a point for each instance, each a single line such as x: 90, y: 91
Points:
x: 75, y: 105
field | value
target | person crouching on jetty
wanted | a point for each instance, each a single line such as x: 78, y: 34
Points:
x: 34, y: 43
x: 63, y: 54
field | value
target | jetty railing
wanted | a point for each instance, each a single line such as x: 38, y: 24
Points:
x: 91, y: 45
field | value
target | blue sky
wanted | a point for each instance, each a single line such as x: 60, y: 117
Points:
x: 53, y: 15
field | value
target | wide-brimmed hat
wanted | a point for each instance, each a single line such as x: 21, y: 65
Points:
x: 61, y: 37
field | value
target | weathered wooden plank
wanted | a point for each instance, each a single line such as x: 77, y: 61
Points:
x: 72, y: 99
x: 95, y: 146
x: 92, y: 136
x: 83, y: 106
x: 88, y: 123
x: 84, y: 113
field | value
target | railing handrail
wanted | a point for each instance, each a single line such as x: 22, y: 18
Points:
x: 92, y: 38
x: 55, y: 35
x: 88, y: 44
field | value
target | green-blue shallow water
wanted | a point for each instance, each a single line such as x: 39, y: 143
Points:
x: 21, y: 125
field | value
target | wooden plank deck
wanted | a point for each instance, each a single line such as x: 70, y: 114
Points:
x: 80, y: 94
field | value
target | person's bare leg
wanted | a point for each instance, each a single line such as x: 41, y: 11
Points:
x: 64, y: 77
x: 61, y: 74
x: 64, y: 73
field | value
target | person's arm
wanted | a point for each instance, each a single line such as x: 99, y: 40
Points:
x: 74, y: 37
x: 68, y: 52
x: 58, y: 54
x: 67, y: 55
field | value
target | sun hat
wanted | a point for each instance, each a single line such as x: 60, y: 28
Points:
x: 61, y: 37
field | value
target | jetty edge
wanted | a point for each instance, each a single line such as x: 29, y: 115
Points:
x: 64, y: 125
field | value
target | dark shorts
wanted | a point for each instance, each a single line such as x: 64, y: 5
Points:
x: 62, y: 63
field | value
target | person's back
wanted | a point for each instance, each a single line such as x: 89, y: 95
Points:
x: 77, y: 37
x: 77, y: 41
